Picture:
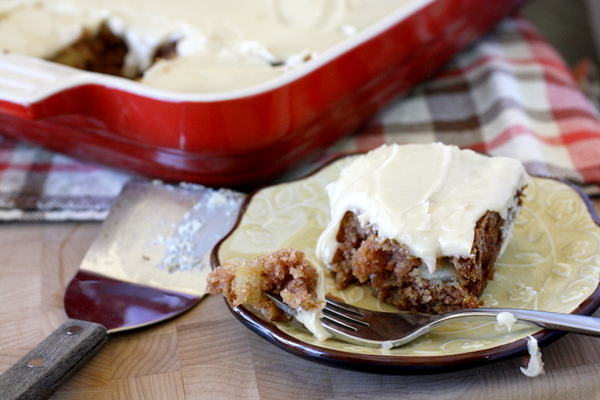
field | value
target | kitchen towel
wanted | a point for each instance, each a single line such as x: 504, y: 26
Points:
x: 508, y: 94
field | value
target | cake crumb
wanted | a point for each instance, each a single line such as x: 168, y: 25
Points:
x: 285, y: 272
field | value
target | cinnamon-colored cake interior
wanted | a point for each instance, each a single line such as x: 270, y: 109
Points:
x: 102, y: 52
x: 285, y: 272
x: 398, y: 278
x: 105, y: 52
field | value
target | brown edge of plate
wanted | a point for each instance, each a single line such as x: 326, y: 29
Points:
x: 388, y: 364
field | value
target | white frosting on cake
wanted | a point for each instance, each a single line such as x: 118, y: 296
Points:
x: 428, y: 197
x: 222, y: 45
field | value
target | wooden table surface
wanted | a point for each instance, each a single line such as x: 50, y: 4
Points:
x: 207, y: 354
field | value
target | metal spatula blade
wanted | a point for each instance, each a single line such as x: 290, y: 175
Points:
x: 148, y: 263
x: 150, y: 260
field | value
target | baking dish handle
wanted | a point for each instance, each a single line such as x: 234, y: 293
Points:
x: 25, y: 80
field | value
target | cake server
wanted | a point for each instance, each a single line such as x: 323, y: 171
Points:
x: 148, y: 263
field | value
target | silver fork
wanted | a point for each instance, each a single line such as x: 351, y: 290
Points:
x: 389, y: 329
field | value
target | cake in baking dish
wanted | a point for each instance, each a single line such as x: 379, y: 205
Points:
x: 421, y: 224
x: 201, y: 46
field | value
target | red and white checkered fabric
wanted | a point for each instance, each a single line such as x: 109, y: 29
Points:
x: 36, y: 184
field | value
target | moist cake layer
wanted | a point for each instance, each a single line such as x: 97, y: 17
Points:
x: 398, y: 278
x: 285, y: 272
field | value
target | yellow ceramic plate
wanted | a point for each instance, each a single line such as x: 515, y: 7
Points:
x: 552, y: 263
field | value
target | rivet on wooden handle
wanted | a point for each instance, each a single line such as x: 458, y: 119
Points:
x: 41, y: 371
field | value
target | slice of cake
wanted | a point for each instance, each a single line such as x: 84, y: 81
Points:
x: 421, y: 224
x: 284, y: 272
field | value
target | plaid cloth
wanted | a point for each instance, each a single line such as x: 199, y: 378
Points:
x: 36, y: 184
x: 509, y: 94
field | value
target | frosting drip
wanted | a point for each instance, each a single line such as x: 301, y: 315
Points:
x: 428, y: 197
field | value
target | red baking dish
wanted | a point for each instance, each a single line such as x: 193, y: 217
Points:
x: 246, y: 137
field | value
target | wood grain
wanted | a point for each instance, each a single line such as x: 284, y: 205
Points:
x: 207, y: 354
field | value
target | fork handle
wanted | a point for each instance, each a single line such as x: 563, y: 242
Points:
x: 582, y: 324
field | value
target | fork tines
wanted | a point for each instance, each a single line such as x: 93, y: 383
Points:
x: 342, y: 314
